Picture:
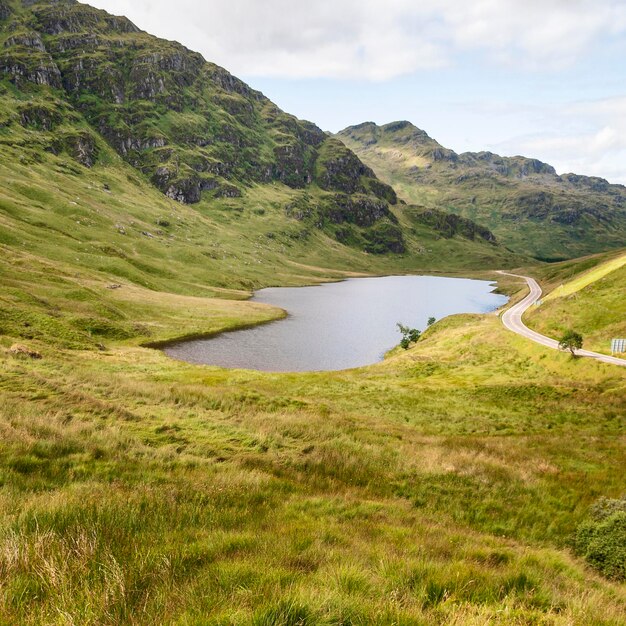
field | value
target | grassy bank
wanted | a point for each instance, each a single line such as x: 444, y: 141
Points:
x: 587, y: 296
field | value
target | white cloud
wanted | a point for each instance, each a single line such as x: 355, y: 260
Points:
x: 591, y: 139
x: 376, y: 39
x: 541, y: 33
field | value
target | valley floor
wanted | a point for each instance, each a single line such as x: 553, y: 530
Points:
x: 443, y: 485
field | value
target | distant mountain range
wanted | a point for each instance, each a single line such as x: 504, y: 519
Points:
x: 523, y: 201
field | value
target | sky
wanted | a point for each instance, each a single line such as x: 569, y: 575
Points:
x: 541, y: 78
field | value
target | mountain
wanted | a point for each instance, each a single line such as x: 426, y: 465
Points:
x: 523, y: 201
x: 129, y: 160
x: 79, y: 77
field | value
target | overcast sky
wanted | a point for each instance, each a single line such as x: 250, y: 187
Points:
x: 543, y: 78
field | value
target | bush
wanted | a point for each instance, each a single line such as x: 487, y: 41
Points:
x: 601, y: 539
x: 409, y: 335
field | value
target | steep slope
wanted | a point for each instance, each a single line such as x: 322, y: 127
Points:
x: 79, y: 75
x: 125, y: 159
x: 523, y: 201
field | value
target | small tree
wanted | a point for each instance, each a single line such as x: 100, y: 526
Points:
x: 571, y: 341
x: 431, y: 321
x: 409, y: 335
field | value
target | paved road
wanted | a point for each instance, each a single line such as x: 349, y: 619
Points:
x: 512, y: 319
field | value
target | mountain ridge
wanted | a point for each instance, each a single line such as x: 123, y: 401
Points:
x: 189, y: 126
x: 76, y: 77
x: 582, y: 214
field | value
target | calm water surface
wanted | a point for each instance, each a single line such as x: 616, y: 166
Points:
x: 339, y: 325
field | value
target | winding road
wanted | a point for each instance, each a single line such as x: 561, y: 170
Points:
x: 512, y: 319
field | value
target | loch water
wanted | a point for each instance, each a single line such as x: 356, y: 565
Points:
x: 341, y: 325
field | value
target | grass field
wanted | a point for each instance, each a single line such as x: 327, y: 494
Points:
x: 440, y: 486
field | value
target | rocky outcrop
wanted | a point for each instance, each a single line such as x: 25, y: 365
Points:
x: 39, y: 117
x: 36, y: 69
x: 26, y: 60
x: 450, y: 225
x: 364, y: 211
x: 225, y: 81
x: 518, y: 167
x: 594, y: 183
x: 339, y: 169
x: 382, y: 191
x: 26, y: 40
x: 80, y: 146
x: 96, y: 75
x: 69, y: 17
x: 293, y: 165
x: 5, y: 10
x: 187, y: 186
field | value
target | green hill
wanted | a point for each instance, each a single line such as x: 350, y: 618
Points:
x: 589, y: 299
x: 523, y: 201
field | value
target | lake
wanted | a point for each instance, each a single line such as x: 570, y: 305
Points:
x: 337, y: 326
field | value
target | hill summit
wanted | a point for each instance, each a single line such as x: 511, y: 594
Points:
x: 522, y: 200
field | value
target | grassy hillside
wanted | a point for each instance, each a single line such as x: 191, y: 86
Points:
x: 523, y: 201
x: 84, y: 251
x: 77, y: 82
x: 589, y: 300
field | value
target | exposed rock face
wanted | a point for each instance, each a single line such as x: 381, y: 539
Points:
x: 339, y: 168
x: 39, y: 117
x: 5, y: 10
x: 518, y: 167
x: 360, y: 210
x: 450, y: 224
x: 25, y: 60
x: 60, y: 17
x: 293, y: 165
x: 592, y: 183
x: 81, y: 146
x: 26, y: 40
x: 188, y: 186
